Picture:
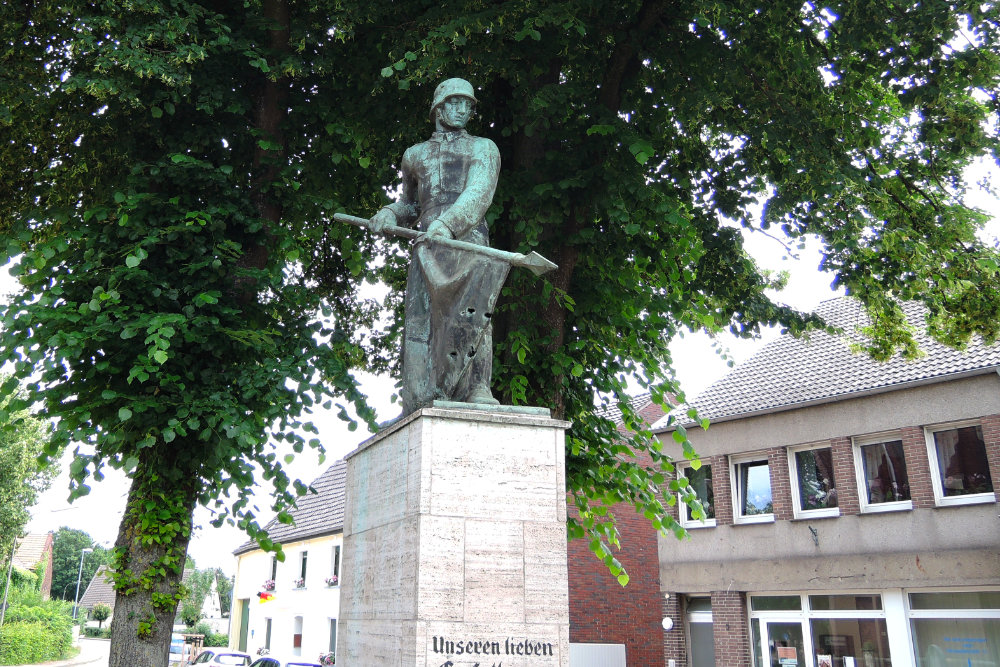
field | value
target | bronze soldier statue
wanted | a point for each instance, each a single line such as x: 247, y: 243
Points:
x: 448, y: 184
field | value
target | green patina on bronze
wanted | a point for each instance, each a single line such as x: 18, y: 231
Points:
x: 448, y: 185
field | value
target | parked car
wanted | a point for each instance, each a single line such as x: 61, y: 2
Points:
x: 271, y: 661
x: 221, y: 656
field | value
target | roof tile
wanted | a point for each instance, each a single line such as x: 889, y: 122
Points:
x: 789, y: 371
x: 315, y: 514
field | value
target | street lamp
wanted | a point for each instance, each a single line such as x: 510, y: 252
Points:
x: 79, y: 575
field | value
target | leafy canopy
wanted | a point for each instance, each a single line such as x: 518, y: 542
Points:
x: 67, y: 546
x: 171, y: 168
x: 22, y: 477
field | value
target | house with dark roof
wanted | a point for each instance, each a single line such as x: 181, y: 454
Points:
x: 34, y: 554
x: 849, y: 509
x: 100, y: 590
x: 290, y: 608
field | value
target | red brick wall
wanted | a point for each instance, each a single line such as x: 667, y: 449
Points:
x: 729, y: 625
x: 601, y: 611
x: 842, y: 450
x: 723, y: 489
x: 917, y: 466
x: 674, y: 640
x: 781, y: 488
x: 991, y: 436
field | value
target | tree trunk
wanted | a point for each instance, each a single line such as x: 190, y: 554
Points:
x: 141, y: 628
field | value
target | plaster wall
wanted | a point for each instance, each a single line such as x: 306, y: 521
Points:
x: 925, y: 546
x: 316, y: 602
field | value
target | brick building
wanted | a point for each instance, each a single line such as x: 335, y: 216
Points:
x: 850, y: 510
x: 34, y: 554
x: 600, y: 610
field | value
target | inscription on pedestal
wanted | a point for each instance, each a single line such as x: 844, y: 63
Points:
x: 508, y: 646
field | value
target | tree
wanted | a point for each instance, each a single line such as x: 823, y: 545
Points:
x: 22, y: 477
x: 100, y: 613
x: 67, y: 545
x: 171, y: 168
x: 224, y: 585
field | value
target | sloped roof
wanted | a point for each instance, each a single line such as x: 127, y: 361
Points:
x: 31, y: 550
x: 99, y: 590
x: 643, y: 405
x: 315, y: 514
x: 789, y: 372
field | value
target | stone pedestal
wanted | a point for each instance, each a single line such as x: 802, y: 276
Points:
x: 455, y: 542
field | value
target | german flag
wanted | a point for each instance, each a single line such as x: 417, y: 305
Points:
x: 265, y: 596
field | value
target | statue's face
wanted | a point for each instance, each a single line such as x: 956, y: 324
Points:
x: 455, y: 112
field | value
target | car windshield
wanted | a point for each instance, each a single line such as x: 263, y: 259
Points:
x: 232, y: 659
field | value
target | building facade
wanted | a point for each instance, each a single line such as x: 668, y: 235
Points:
x: 850, y: 510
x: 289, y: 609
x: 34, y: 554
x: 604, y: 615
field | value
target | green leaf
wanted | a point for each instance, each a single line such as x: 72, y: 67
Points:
x: 124, y: 414
x: 132, y: 261
x: 387, y: 71
x: 160, y: 356
x: 156, y: 112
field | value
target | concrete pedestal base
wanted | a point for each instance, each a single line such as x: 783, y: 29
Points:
x: 455, y: 543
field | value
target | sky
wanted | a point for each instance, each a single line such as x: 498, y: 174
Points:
x: 695, y: 360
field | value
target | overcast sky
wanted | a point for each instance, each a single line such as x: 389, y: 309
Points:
x: 696, y: 362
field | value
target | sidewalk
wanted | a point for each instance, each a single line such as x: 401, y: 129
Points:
x: 93, y: 653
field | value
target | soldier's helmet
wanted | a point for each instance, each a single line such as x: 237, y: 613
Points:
x: 451, y: 87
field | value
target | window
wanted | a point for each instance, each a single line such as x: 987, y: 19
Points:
x: 701, y: 637
x: 961, y: 624
x: 333, y: 635
x: 960, y: 472
x: 700, y: 484
x: 303, y: 560
x: 335, y: 565
x: 752, y: 491
x: 274, y: 568
x: 267, y: 633
x: 297, y: 637
x: 814, y: 489
x: 883, y: 484
x: 842, y: 630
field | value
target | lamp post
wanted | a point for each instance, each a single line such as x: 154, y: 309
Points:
x: 79, y: 575
x: 6, y: 588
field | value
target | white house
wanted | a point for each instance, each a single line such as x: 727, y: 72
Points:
x: 290, y: 608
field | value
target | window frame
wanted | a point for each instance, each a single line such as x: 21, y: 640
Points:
x: 859, y: 473
x: 683, y: 514
x: 940, y: 499
x: 734, y: 464
x: 303, y: 566
x: 793, y: 480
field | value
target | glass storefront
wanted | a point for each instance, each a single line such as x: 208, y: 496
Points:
x: 820, y: 631
x: 956, y: 629
x: 894, y: 628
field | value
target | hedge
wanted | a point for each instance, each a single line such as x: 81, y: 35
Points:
x: 35, y: 633
x: 29, y: 642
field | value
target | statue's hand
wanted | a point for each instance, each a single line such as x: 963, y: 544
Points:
x: 438, y: 230
x: 381, y: 220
